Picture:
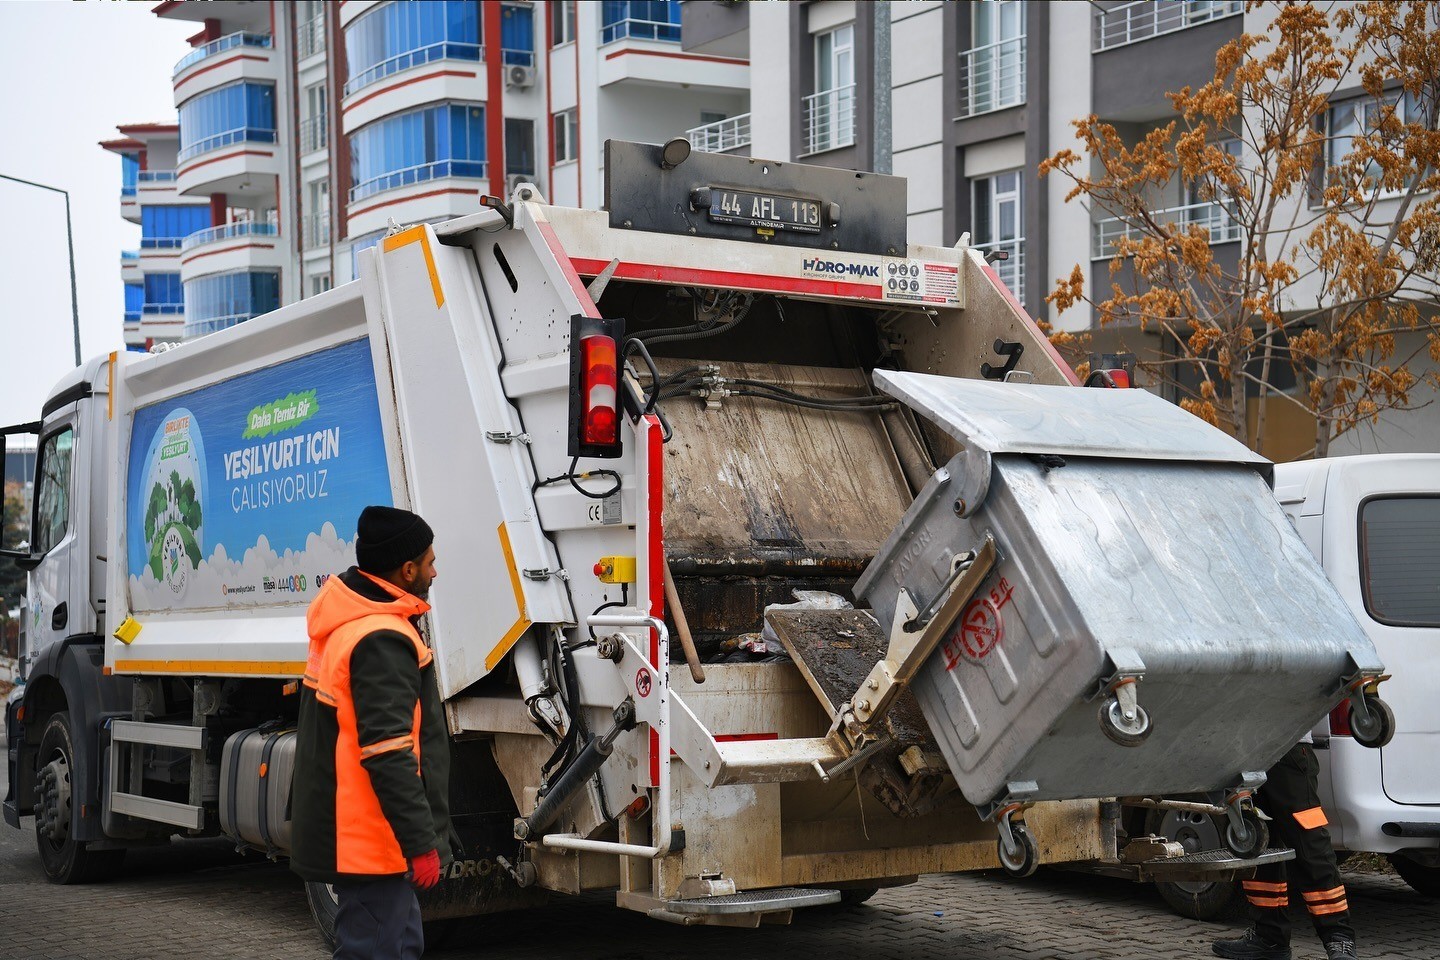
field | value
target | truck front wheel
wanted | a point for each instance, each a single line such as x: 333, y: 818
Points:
x: 65, y: 859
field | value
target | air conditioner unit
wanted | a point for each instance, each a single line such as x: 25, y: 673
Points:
x: 518, y: 76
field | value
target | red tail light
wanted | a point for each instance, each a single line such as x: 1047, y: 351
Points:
x: 600, y: 422
x: 1340, y: 720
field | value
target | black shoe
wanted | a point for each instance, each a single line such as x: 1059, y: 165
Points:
x: 1252, y: 947
x: 1341, y: 948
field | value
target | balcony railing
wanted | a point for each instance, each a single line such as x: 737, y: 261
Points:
x: 517, y: 58
x: 127, y: 190
x: 227, y: 42
x: 227, y: 231
x: 1213, y: 216
x: 992, y: 77
x: 640, y: 30
x: 728, y: 134
x: 419, y: 174
x: 162, y: 309
x: 161, y: 243
x: 316, y: 230
x: 129, y: 254
x: 829, y: 119
x: 238, y: 135
x: 314, y: 133
x: 311, y: 37
x: 413, y: 58
x: 1143, y: 19
x: 1012, y: 270
x: 157, y: 176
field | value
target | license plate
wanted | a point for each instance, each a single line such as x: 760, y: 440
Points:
x: 764, y: 210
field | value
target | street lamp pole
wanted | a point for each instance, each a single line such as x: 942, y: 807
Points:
x: 70, y: 239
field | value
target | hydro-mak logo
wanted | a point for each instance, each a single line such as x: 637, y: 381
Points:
x: 833, y: 267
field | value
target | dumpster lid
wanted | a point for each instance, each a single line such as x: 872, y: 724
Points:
x: 1033, y: 418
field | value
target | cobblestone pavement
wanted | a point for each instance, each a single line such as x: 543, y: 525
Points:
x: 197, y: 899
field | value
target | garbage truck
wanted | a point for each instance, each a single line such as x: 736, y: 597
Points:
x: 781, y: 560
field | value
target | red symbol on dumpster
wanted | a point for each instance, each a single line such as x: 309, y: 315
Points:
x: 980, y: 630
x: 642, y: 682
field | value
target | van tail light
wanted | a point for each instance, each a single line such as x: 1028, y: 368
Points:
x: 1340, y: 720
x: 594, y: 387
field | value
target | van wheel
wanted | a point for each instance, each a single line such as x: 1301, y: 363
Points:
x: 65, y: 859
x: 324, y: 905
x: 1422, y: 879
x: 1196, y: 899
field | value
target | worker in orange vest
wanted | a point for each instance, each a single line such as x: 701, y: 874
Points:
x: 371, y: 802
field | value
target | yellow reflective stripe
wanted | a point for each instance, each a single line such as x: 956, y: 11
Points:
x: 1321, y: 909
x: 1263, y: 886
x: 523, y: 622
x: 1269, y: 902
x: 285, y: 668
x: 387, y: 746
x: 1317, y: 895
x: 406, y: 237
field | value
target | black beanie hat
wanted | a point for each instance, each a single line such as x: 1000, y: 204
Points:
x: 387, y: 537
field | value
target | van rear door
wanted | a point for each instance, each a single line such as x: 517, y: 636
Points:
x: 1392, y: 514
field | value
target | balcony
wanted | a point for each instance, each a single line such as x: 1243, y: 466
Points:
x: 314, y: 134
x: 242, y: 245
x: 992, y: 77
x: 829, y: 119
x: 1012, y: 270
x: 732, y: 133
x: 227, y: 42
x: 228, y: 162
x: 310, y: 38
x: 1212, y: 216
x: 418, y: 174
x: 156, y: 177
x: 130, y: 267
x: 631, y: 28
x: 414, y: 58
x: 1143, y: 19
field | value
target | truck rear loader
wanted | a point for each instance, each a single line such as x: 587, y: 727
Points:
x: 641, y: 433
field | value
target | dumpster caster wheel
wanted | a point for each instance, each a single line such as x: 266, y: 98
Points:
x: 1376, y: 726
x: 1251, y: 839
x: 1127, y: 732
x: 1020, y: 859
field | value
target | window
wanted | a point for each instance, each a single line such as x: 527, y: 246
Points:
x: 566, y: 144
x: 1360, y: 116
x: 314, y: 131
x: 447, y: 140
x: 562, y: 22
x: 52, y: 500
x: 517, y: 35
x: 163, y: 294
x: 317, y: 214
x: 1400, y: 560
x: 310, y: 16
x: 640, y: 20
x: 319, y: 284
x: 224, y: 299
x: 993, y: 69
x: 396, y: 36
x: 167, y: 226
x: 997, y: 218
x: 830, y: 111
x: 134, y: 301
x: 520, y: 146
x: 129, y: 174
x: 225, y: 115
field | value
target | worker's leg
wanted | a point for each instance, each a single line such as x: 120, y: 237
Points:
x: 1301, y: 826
x: 1268, y: 899
x: 378, y: 920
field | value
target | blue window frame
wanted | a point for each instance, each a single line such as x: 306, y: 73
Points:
x: 134, y: 301
x: 446, y: 140
x: 230, y: 114
x: 402, y: 34
x: 517, y: 35
x: 224, y: 299
x: 129, y: 174
x: 640, y: 20
x: 163, y: 294
x: 168, y: 226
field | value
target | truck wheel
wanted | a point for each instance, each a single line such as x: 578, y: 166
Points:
x: 324, y: 905
x: 65, y: 859
x: 1196, y: 899
x: 1422, y: 879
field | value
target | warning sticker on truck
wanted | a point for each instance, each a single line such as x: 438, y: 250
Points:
x: 246, y: 492
x: 921, y: 281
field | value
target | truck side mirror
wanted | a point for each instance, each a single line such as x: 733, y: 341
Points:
x: 20, y: 553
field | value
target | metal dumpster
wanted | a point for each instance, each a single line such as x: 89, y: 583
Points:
x: 1153, y: 625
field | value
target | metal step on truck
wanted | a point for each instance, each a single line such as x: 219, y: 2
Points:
x: 783, y: 560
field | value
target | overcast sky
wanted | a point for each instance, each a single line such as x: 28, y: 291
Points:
x: 69, y: 72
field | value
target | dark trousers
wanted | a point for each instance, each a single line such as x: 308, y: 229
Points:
x: 378, y: 920
x: 1290, y: 797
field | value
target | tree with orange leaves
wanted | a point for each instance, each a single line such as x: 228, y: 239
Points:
x: 1316, y: 147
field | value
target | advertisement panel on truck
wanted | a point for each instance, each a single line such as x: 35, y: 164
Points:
x: 246, y: 492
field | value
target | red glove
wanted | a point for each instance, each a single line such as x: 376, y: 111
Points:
x: 425, y: 870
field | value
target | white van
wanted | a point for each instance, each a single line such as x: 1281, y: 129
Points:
x: 1374, y: 524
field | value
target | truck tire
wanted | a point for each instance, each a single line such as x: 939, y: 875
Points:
x: 324, y: 905
x: 65, y: 859
x: 1422, y: 879
x: 1196, y: 899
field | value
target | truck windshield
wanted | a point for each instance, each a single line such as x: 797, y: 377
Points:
x: 1400, y: 560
